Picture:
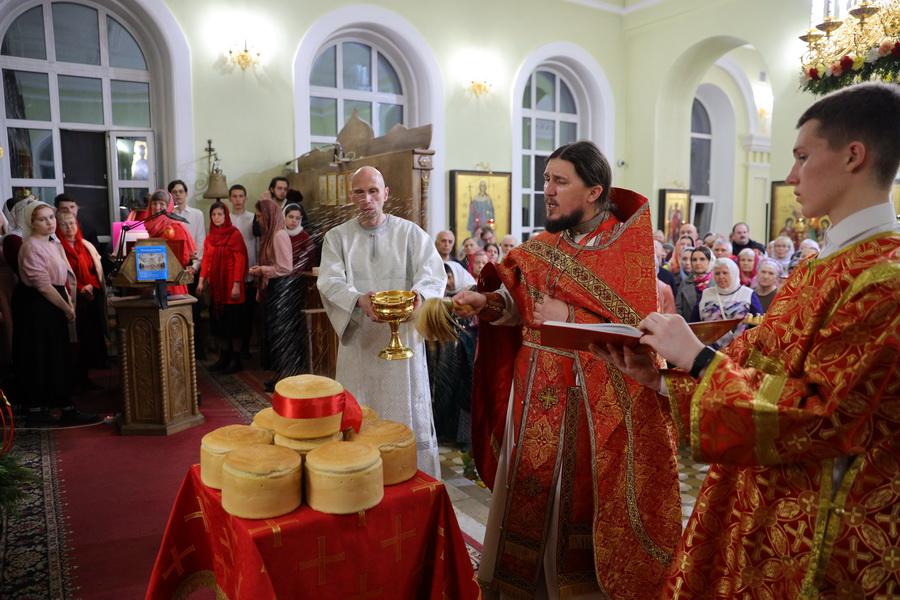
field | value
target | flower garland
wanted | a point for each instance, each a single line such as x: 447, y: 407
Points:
x: 881, y: 62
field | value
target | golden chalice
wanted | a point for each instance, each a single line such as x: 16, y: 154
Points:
x: 394, y: 307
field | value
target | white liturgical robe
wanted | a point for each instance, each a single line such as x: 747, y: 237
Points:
x: 396, y: 255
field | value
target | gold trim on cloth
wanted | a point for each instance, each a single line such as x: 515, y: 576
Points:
x: 828, y: 523
x: 697, y: 407
x: 556, y: 351
x: 757, y: 360
x: 880, y: 273
x: 672, y: 385
x: 585, y: 278
x: 765, y: 418
x: 634, y: 514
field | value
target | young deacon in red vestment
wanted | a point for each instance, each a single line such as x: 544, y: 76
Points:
x: 801, y: 415
x: 582, y: 464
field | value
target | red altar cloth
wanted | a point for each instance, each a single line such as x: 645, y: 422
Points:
x: 409, y: 546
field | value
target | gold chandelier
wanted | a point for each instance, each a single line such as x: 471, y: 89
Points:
x: 860, y: 45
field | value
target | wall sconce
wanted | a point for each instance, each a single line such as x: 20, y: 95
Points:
x: 244, y: 58
x: 479, y: 88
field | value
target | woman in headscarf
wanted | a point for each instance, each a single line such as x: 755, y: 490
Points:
x: 767, y: 281
x: 9, y: 268
x: 467, y: 251
x: 782, y: 248
x: 689, y: 292
x: 223, y: 270
x: 43, y: 307
x: 90, y: 307
x: 174, y: 231
x: 674, y: 264
x: 726, y: 299
x: 748, y: 263
x: 275, y: 262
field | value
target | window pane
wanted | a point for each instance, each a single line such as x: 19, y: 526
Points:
x: 315, y: 145
x: 540, y: 211
x: 80, y: 100
x: 544, y: 134
x: 526, y: 210
x: 526, y: 133
x: 539, y: 163
x: 566, y: 99
x: 25, y: 37
x: 526, y: 171
x: 568, y: 132
x: 123, y: 48
x: 132, y: 199
x: 700, y: 154
x: 27, y: 95
x: 130, y: 103
x: 323, y: 71
x: 526, y: 95
x: 76, y: 33
x: 388, y: 116
x: 545, y: 91
x: 699, y: 118
x: 44, y: 194
x: 31, y: 153
x: 323, y: 116
x: 388, y: 80
x: 131, y: 159
x: 363, y: 110
x: 357, y: 66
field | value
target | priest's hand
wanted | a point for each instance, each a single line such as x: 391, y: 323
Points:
x: 201, y: 285
x: 672, y: 338
x: 637, y: 363
x: 550, y: 309
x: 365, y: 303
x: 467, y: 303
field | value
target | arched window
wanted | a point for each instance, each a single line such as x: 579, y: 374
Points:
x: 352, y: 74
x: 77, y: 99
x: 550, y: 118
x: 701, y: 162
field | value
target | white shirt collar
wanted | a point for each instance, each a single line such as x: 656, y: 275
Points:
x: 860, y: 225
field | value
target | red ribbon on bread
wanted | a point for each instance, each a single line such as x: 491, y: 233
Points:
x: 325, y: 406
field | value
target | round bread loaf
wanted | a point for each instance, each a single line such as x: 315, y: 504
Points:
x: 343, y: 477
x: 261, y: 481
x: 263, y: 419
x: 302, y: 447
x: 219, y: 442
x: 397, y: 445
x: 307, y: 387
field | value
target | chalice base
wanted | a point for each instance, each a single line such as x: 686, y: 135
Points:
x: 401, y: 353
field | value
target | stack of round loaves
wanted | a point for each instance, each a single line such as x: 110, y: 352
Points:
x: 397, y: 445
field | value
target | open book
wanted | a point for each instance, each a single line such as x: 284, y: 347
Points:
x: 578, y: 336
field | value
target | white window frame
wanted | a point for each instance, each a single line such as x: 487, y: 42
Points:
x: 52, y: 68
x: 722, y: 156
x: 374, y: 97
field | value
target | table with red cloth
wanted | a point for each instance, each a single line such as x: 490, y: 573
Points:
x: 409, y: 546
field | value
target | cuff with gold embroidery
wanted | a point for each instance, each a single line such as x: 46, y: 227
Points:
x: 493, y: 308
x: 680, y: 387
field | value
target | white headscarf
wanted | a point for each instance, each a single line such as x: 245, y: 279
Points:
x: 289, y: 207
x: 15, y: 216
x: 27, y: 213
x: 733, y: 269
x: 462, y: 279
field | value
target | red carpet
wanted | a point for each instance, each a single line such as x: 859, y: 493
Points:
x: 118, y: 492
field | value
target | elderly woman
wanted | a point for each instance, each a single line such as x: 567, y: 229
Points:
x: 90, y: 307
x: 222, y: 271
x: 44, y: 305
x: 748, y: 262
x: 727, y: 299
x: 807, y: 248
x: 782, y: 248
x: 767, y: 281
x: 466, y: 251
x: 689, y: 292
x: 175, y: 233
x: 275, y: 262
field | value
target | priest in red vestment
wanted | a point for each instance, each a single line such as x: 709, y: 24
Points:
x: 801, y: 415
x: 580, y: 457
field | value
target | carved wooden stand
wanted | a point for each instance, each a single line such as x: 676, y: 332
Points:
x: 159, y: 374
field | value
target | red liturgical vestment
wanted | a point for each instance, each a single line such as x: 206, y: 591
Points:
x: 802, y: 417
x: 578, y: 425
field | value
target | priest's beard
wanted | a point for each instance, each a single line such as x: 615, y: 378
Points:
x: 565, y: 221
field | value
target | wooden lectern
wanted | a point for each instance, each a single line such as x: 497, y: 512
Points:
x: 156, y: 351
x: 403, y: 157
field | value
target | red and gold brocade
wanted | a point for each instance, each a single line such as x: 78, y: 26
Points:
x: 816, y: 382
x: 576, y: 419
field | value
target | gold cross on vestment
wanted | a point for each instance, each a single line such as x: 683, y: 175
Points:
x: 891, y: 559
x: 891, y: 585
x: 321, y: 561
x: 799, y: 538
x: 397, y: 540
x: 275, y: 527
x: 852, y: 554
x: 893, y: 520
x: 198, y: 515
x: 431, y: 486
x: 176, y: 560
x: 364, y: 591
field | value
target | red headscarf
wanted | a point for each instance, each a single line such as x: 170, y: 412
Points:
x: 224, y: 249
x: 749, y: 279
x: 271, y: 220
x: 170, y: 229
x: 80, y: 258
